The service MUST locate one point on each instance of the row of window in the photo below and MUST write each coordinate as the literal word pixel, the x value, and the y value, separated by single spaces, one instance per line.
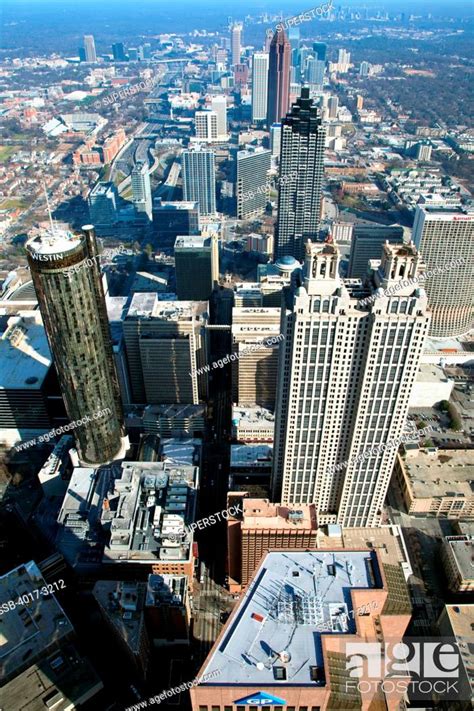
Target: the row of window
pixel 259 708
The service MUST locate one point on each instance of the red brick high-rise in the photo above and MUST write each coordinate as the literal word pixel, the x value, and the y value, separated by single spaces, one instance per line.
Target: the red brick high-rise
pixel 278 78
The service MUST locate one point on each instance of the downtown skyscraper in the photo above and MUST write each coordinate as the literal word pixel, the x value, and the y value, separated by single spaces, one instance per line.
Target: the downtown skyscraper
pixel 72 304
pixel 278 101
pixel 259 86
pixel 199 178
pixel 236 43
pixel 346 373
pixel 89 49
pixel 300 180
pixel 443 234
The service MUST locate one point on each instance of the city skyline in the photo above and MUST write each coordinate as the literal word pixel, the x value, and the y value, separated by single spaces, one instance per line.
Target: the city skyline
pixel 236 356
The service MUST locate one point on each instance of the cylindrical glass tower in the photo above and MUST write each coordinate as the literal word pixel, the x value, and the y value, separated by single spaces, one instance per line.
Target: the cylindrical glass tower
pixel 66 275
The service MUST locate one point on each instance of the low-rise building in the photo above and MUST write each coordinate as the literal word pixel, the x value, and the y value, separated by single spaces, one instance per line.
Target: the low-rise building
pixel 167 609
pixel 291 640
pixel 457 554
pixel 252 424
pixel 436 481
pixel 458 621
pixel 146 517
pixel 122 607
pixel 40 666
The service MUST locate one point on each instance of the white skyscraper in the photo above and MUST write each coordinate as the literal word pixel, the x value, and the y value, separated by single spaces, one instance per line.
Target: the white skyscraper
pixel 141 190
pixel 206 125
pixel 443 234
pixel 259 86
pixel 346 372
pixel 89 48
pixel 199 178
pixel 219 106
pixel 235 42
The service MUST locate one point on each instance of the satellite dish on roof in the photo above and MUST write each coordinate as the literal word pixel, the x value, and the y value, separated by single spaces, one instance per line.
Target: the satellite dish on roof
pixel 260 666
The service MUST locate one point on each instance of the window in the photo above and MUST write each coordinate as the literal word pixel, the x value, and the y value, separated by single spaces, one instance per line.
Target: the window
pixel 216 708
pixel 203 708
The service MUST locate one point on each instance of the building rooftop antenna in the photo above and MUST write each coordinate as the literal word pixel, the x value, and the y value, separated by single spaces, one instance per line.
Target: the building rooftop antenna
pixel 49 209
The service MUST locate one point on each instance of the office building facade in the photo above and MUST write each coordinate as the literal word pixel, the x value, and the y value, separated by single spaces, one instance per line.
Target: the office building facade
pixel 443 234
pixel 206 125
pixel 75 318
pixel 103 203
pixel 346 373
pixel 315 72
pixel 367 242
pixel 197 266
pixel 219 106
pixel 141 190
pixel 278 78
pixel 199 179
pixel 252 184
pixel 259 86
pixel 254 371
pixel 171 219
pixel 89 49
pixel 166 344
pixel 236 43
pixel 300 180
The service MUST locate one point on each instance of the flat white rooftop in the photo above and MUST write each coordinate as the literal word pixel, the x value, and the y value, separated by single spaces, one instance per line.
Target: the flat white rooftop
pixel 293 598
pixel 25 358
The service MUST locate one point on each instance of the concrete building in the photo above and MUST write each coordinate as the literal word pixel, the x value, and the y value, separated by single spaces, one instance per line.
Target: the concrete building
pixel 273 277
pixel 171 219
pixel 199 178
pixel 103 204
pixel 219 106
pixel 260 62
pixel 40 666
pixel 252 424
pixel 171 334
pixel 261 527
pixel 254 371
pixel 367 242
pixel 275 649
pixel 146 515
pixel 263 244
pixel 346 374
pixel 315 72
pixel 247 293
pixel 458 621
pixel 167 609
pixel 89 49
pixel 442 235
pixel 342 231
pixel 252 186
pixel 235 43
pixel 206 125
pixel 301 174
pixel 250 465
pixel 457 554
pixel 431 386
pixel 436 482
pixel 122 606
pixel 141 190
pixel 175 420
pixel 26 377
pixel 197 266
pixel 279 64
pixel 333 106
pixel 275 140
pixel 74 313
